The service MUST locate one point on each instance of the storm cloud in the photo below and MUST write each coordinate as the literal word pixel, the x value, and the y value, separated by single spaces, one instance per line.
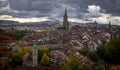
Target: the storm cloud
pixel 54 9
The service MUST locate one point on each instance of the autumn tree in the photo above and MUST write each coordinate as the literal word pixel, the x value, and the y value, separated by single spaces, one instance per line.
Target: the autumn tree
pixel 115 67
pixel 45 59
pixel 23 50
pixel 41 52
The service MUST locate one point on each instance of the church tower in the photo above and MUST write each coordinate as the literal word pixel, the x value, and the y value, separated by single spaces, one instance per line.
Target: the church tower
pixel 35 54
pixel 65 20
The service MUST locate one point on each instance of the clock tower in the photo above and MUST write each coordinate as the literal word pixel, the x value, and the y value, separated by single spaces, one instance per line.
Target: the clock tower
pixel 35 54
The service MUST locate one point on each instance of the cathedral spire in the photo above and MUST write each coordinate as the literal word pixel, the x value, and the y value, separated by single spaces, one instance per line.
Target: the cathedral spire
pixel 65 20
pixel 65 12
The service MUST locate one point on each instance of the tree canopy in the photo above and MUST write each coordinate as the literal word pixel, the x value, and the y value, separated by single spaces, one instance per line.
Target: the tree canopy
pixel 93 56
pixel 110 52
pixel 45 59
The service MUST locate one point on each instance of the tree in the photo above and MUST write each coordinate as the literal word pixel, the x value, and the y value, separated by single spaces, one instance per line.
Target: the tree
pixel 95 22
pixel 115 67
pixel 101 51
pixel 41 52
pixel 72 64
pixel 45 59
pixel 23 51
pixel 16 61
pixel 110 51
pixel 84 52
pixel 93 56
pixel 113 51
pixel 99 66
pixel 86 67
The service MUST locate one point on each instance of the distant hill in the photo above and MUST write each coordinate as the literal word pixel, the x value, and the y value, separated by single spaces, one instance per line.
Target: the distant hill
pixel 43 24
pixel 8 22
pixel 34 24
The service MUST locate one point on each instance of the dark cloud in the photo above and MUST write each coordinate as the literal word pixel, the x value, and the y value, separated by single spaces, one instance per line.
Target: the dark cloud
pixel 20 4
pixel 55 8
pixel 3 3
pixel 43 7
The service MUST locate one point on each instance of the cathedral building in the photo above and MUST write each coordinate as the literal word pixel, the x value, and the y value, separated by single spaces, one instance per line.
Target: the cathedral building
pixel 65 25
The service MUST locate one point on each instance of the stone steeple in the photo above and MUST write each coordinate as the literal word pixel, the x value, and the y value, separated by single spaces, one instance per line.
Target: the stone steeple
pixel 65 20
pixel 35 54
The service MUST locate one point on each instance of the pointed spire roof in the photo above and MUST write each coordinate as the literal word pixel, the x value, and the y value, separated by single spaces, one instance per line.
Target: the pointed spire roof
pixel 35 46
pixel 65 11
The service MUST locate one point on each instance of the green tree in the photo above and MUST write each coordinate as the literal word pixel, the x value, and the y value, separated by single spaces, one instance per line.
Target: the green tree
pixel 85 67
pixel 113 51
pixel 99 68
pixel 45 59
pixel 84 52
pixel 110 51
pixel 95 22
pixel 41 52
pixel 101 51
pixel 16 61
pixel 72 64
pixel 23 51
pixel 93 56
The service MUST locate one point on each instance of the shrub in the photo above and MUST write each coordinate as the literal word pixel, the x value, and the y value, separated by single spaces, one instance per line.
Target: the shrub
pixel 93 56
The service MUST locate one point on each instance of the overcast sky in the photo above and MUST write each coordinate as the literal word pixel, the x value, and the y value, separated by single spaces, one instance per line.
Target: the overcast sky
pixel 78 10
